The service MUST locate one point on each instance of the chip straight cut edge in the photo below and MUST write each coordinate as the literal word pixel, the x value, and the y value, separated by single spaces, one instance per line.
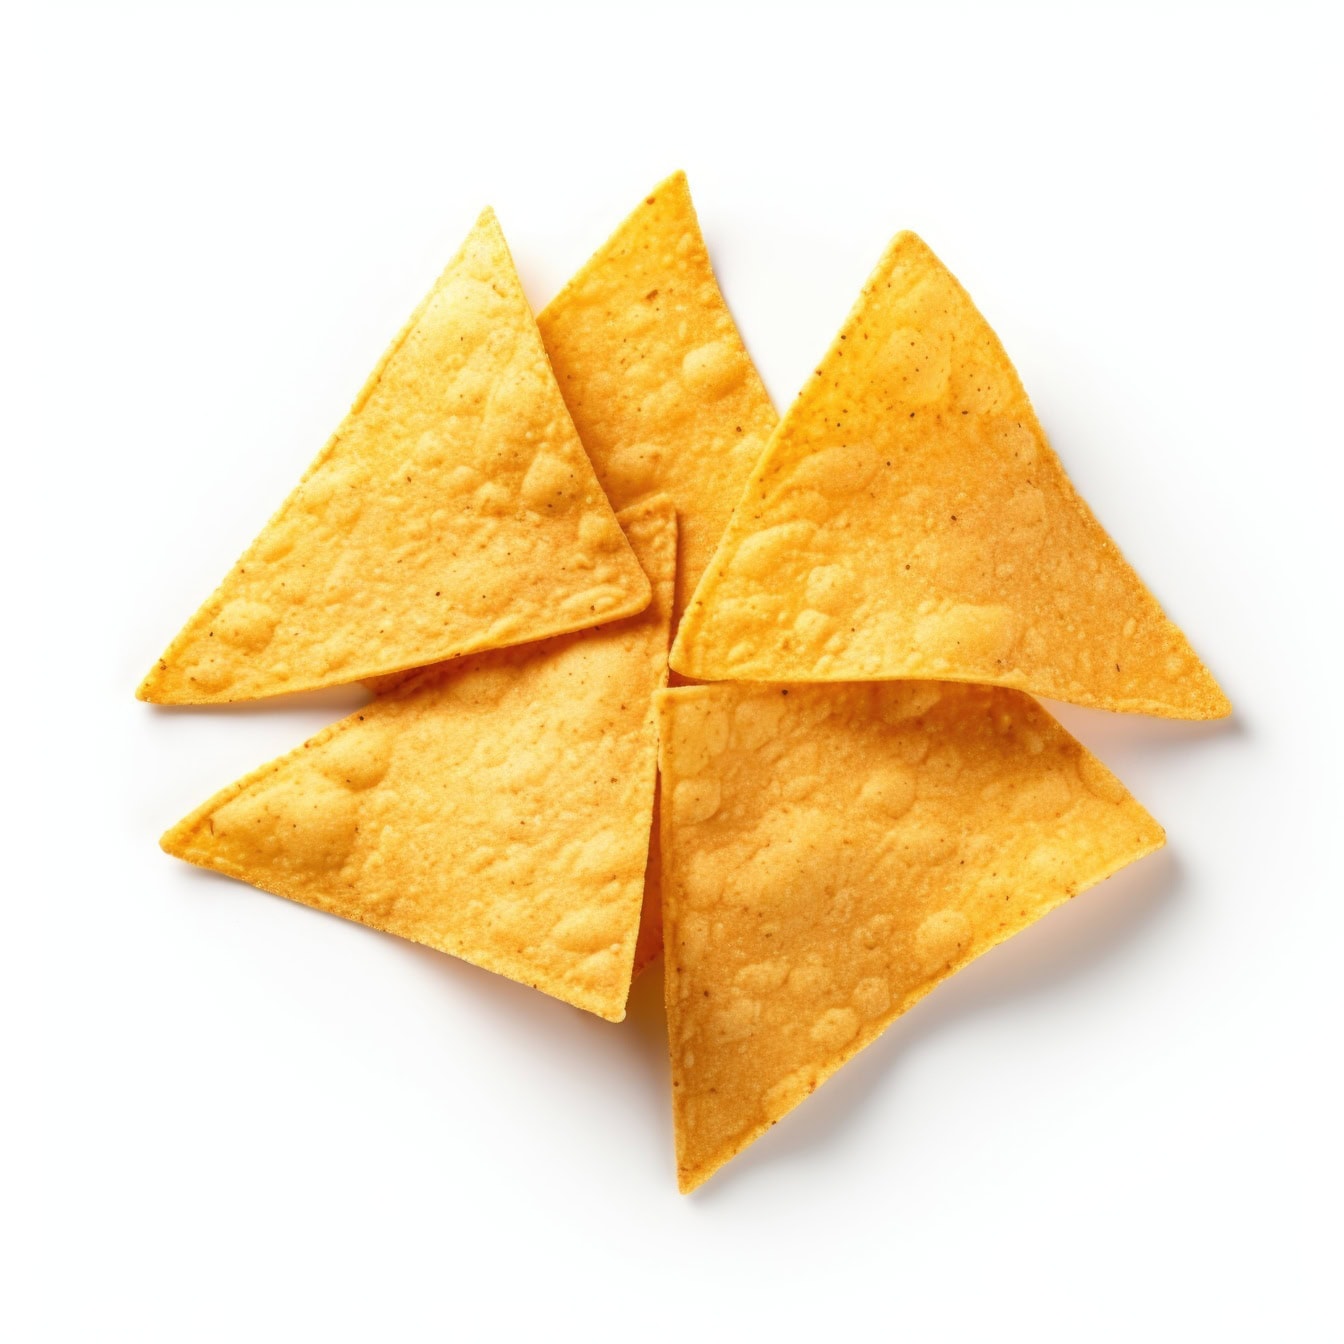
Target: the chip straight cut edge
pixel 453 511
pixel 909 520
pixel 831 853
pixel 496 808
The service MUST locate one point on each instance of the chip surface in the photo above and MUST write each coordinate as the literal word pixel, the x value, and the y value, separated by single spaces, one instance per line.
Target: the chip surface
pixel 649 944
pixel 654 372
pixel 454 510
pixel 496 808
pixel 830 853
pixel 909 520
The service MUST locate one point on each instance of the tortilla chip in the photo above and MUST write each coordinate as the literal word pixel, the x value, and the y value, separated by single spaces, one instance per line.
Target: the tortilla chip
pixel 497 808
pixel 830 853
pixel 654 372
pixel 909 520
pixel 453 511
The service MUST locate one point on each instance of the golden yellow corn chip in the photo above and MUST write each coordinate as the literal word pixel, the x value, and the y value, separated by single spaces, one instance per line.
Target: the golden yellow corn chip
pixel 496 808
pixel 909 520
pixel 654 372
pixel 453 511
pixel 830 853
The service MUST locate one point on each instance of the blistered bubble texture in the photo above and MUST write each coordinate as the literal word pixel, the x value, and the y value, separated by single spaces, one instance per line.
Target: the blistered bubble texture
pixel 831 853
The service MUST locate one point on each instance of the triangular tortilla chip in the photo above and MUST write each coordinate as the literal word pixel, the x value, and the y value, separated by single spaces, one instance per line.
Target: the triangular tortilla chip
pixel 654 372
pixel 909 520
pixel 453 511
pixel 830 853
pixel 496 808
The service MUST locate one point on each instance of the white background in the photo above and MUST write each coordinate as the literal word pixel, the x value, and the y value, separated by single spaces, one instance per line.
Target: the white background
pixel 226 1117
